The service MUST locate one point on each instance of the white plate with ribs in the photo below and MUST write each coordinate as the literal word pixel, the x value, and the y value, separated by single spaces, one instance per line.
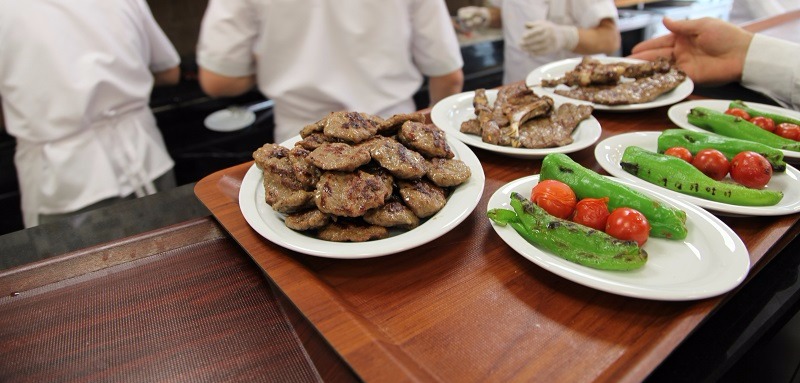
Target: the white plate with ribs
pixel 557 70
pixel 449 113
pixel 269 224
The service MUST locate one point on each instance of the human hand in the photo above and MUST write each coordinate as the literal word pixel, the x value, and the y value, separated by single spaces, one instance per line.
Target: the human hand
pixel 472 17
pixel 543 37
pixel 708 50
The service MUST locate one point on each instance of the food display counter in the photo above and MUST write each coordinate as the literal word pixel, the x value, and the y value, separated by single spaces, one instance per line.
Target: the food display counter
pixel 199 295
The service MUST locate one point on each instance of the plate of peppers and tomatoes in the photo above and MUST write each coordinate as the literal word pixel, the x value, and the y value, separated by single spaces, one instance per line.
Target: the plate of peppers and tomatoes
pixel 610 151
pixel 709 261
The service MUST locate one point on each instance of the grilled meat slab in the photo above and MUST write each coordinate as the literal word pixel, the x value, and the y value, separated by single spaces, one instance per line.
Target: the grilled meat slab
pixel 352 232
pixel 642 90
pixel 555 130
pixel 350 194
pixel 339 156
pixel 427 139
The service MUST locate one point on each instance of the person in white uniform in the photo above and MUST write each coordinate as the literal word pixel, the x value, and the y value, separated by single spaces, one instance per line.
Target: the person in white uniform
pixel 544 31
pixel 314 57
pixel 75 83
pixel 712 51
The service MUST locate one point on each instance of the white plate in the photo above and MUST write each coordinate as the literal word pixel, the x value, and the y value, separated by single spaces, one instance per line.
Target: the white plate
pixel 229 120
pixel 609 152
pixel 449 113
pixel 270 224
pixel 557 69
pixel 710 261
pixel 678 112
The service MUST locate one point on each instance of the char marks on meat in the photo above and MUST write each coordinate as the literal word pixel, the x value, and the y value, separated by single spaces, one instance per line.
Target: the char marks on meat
pixel 350 194
pixel 348 126
pixel 307 220
pixel 346 231
pixel 313 141
pixel 398 159
pixel 641 90
pixel 391 125
pixel 427 139
pixel 422 197
pixel 448 172
pixel 393 214
pixel 339 156
pixel 289 180
pixel 555 130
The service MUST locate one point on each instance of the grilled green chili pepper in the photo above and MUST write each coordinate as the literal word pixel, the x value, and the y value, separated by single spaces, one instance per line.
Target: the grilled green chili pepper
pixel 678 175
pixel 696 141
pixel 569 240
pixel 779 119
pixel 737 127
pixel 665 221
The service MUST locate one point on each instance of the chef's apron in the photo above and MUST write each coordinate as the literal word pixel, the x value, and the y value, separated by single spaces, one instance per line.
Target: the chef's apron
pixel 119 137
pixel 515 13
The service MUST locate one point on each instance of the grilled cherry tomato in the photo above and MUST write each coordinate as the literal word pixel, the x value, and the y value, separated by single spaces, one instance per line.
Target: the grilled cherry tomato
pixel 592 212
pixel 788 130
pixel 680 152
pixel 765 123
pixel 628 224
pixel 751 169
pixel 738 113
pixel 712 163
pixel 555 197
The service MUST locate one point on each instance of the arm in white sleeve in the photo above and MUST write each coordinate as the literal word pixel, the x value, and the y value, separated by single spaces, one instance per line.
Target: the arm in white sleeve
pixel 771 68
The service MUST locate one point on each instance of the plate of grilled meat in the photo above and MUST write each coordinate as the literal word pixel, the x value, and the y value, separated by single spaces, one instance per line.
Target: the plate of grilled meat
pixel 613 83
pixel 517 122
pixel 356 186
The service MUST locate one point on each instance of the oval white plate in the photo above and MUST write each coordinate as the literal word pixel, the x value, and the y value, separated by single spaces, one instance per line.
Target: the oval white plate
pixel 609 152
pixel 449 113
pixel 677 114
pixel 557 69
pixel 710 261
pixel 270 225
pixel 229 120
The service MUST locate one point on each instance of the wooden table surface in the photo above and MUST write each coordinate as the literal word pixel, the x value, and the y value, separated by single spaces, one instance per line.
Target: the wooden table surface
pixel 466 307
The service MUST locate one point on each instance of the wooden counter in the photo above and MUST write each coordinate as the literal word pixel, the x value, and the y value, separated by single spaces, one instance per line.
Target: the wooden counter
pixel 466 307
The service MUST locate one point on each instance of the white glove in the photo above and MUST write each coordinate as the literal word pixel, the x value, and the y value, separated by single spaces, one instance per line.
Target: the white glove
pixel 543 37
pixel 472 17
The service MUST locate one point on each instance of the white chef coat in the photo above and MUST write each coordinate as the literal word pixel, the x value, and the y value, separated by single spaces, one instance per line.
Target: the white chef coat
pixel 313 57
pixel 771 68
pixel 515 13
pixel 75 82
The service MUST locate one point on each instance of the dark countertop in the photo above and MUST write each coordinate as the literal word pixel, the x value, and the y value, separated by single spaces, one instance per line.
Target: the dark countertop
pixel 95 227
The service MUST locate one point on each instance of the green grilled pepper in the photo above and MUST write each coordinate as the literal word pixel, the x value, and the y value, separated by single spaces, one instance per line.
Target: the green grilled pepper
pixel 665 221
pixel 569 240
pixel 696 141
pixel 736 127
pixel 779 119
pixel 678 175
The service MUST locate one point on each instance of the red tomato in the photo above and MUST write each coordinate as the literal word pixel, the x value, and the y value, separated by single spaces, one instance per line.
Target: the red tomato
pixel 629 225
pixel 765 123
pixel 712 163
pixel 592 212
pixel 738 113
pixel 555 197
pixel 787 130
pixel 751 169
pixel 680 152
